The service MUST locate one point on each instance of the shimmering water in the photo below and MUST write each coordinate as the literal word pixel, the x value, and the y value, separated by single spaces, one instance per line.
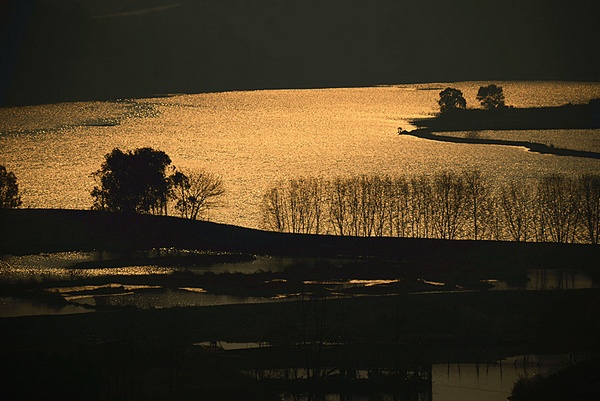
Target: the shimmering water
pixel 252 139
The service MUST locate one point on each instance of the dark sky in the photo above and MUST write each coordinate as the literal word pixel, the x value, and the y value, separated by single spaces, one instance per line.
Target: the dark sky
pixel 61 50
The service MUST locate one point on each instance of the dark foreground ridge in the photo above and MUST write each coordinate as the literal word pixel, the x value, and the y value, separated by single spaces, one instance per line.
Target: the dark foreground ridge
pixel 149 353
pixel 156 354
pixel 28 231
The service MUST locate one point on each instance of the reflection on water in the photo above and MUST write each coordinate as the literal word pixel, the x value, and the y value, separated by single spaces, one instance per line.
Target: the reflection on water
pixel 165 298
pixel 548 279
pixel 150 286
pixel 15 307
pixel 438 382
pixel 252 139
pixel 60 266
pixel 490 382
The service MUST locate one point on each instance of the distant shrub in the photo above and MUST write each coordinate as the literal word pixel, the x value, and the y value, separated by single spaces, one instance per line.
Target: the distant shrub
pixel 9 189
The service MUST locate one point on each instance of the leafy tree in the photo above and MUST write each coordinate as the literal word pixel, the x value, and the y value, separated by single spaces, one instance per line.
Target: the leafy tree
pixel 491 97
pixel 9 189
pixel 194 193
pixel 133 182
pixel 451 99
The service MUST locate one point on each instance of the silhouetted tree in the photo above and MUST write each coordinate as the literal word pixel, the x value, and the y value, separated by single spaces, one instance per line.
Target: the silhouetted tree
pixel 9 189
pixel 295 206
pixel 451 99
pixel 589 194
pixel 195 192
pixel 515 200
pixel 558 207
pixel 491 97
pixel 133 182
pixel 478 202
pixel 447 204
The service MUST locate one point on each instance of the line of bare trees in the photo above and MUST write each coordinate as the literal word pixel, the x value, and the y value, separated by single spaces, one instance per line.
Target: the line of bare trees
pixel 447 205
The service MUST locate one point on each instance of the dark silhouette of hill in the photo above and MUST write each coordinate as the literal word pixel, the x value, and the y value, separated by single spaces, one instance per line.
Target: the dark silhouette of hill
pixel 27 231
pixel 66 50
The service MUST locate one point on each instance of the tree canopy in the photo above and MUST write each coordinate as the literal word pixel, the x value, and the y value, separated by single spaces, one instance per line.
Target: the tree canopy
pixel 133 182
pixel 451 99
pixel 491 97
pixel 9 189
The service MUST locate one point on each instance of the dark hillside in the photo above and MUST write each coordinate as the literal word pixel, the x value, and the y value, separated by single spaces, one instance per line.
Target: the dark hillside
pixel 25 231
pixel 66 50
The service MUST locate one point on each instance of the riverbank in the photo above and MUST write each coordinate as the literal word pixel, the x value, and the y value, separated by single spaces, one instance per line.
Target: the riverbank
pixel 30 231
pixel 461 263
pixel 473 140
pixel 569 116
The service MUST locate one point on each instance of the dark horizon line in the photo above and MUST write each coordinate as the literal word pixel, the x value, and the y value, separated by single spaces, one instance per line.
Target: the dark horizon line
pixel 244 88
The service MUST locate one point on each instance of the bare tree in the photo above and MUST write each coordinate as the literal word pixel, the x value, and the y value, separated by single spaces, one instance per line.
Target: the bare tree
pixel 515 202
pixel 295 206
pixel 337 190
pixel 195 193
pixel 400 213
pixel 273 210
pixel 420 206
pixel 478 207
pixel 558 205
pixel 589 189
pixel 448 202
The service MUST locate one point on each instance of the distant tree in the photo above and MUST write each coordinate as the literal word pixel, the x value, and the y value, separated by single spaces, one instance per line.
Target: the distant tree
pixel 195 192
pixel 478 194
pixel 133 182
pixel 589 192
pixel 559 206
pixel 491 97
pixel 9 189
pixel 451 99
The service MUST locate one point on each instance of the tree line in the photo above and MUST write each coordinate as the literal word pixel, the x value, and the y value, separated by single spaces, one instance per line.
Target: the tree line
pixel 445 205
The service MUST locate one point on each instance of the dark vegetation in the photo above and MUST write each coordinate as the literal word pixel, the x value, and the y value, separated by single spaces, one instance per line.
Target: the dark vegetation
pixel 445 205
pixel 9 189
pixel 496 115
pixel 569 116
pixel 138 181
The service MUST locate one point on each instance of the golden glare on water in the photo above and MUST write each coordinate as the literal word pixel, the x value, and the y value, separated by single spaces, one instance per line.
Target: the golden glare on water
pixel 253 139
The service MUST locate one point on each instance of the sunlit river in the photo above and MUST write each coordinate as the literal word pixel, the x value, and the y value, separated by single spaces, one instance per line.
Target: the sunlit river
pixel 252 139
